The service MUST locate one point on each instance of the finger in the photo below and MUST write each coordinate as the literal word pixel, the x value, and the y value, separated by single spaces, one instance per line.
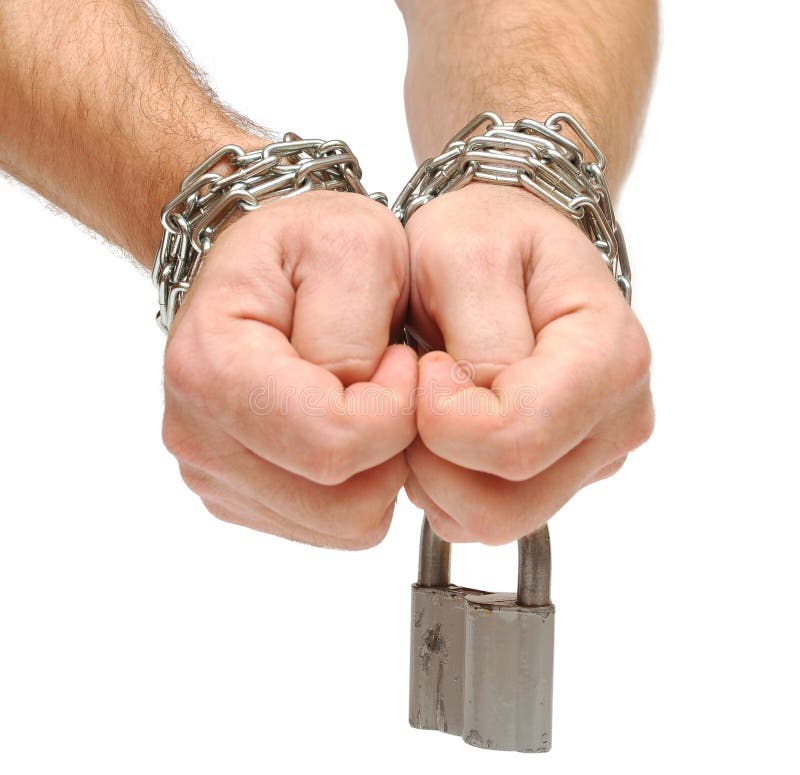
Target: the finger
pixel 234 507
pixel 585 364
pixel 229 352
pixel 588 350
pixel 248 378
pixel 493 510
pixel 469 285
pixel 607 471
pixel 213 463
pixel 350 511
pixel 351 284
pixel 247 513
pixel 442 523
pixel 534 413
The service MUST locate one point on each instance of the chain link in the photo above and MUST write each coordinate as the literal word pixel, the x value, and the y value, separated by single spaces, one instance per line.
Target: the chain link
pixel 539 158
pixel 535 156
pixel 207 200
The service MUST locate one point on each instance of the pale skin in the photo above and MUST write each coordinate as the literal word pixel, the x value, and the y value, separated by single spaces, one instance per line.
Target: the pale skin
pixel 98 110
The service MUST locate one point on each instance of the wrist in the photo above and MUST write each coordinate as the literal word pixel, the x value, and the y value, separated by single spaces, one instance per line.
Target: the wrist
pixel 540 158
pixel 206 201
pixel 140 227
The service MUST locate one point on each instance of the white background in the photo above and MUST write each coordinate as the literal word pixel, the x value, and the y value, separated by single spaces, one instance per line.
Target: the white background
pixel 138 634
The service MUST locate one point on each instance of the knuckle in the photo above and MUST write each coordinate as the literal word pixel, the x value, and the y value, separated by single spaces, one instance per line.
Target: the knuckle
pixel 222 512
pixel 195 480
pixel 513 451
pixel 642 426
pixel 332 456
pixel 636 355
pixel 517 462
pixel 495 521
pixel 612 468
pixel 182 374
pixel 366 525
pixel 438 520
pixel 361 510
pixel 489 530
pixel 447 528
pixel 189 476
pixel 480 522
pixel 518 452
pixel 178 442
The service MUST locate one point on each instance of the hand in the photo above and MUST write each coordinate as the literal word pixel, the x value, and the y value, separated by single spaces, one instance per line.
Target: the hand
pixel 544 385
pixel 286 409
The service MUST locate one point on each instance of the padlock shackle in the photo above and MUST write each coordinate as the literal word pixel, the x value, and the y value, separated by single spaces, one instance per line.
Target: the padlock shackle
pixel 533 575
pixel 434 558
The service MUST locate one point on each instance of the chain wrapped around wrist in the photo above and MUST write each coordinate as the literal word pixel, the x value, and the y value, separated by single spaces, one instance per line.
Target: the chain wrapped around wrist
pixel 208 199
pixel 539 158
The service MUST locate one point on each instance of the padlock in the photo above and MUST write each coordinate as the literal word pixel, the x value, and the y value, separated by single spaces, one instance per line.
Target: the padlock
pixel 482 663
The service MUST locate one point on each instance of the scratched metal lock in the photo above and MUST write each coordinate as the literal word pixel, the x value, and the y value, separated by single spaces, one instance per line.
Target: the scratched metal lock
pixel 482 663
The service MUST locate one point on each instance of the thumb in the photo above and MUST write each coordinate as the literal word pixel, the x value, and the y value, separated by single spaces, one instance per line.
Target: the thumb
pixel 469 286
pixel 351 287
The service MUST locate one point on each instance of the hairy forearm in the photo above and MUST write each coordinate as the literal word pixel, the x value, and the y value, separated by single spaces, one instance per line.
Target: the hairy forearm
pixel 102 114
pixel 530 58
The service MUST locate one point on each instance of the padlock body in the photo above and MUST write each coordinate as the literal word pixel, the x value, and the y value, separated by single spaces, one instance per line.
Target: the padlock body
pixel 508 673
pixel 436 696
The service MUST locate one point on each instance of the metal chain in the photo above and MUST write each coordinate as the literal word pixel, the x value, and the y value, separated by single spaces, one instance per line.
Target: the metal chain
pixel 207 200
pixel 537 157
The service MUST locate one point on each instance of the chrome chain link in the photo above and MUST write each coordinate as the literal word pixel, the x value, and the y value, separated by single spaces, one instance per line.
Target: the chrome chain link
pixel 539 158
pixel 535 156
pixel 207 200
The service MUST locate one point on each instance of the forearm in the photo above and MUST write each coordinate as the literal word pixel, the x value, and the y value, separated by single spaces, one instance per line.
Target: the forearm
pixel 101 114
pixel 530 58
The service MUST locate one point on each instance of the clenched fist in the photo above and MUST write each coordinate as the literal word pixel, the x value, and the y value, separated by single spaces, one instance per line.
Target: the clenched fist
pixel 285 405
pixel 541 384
